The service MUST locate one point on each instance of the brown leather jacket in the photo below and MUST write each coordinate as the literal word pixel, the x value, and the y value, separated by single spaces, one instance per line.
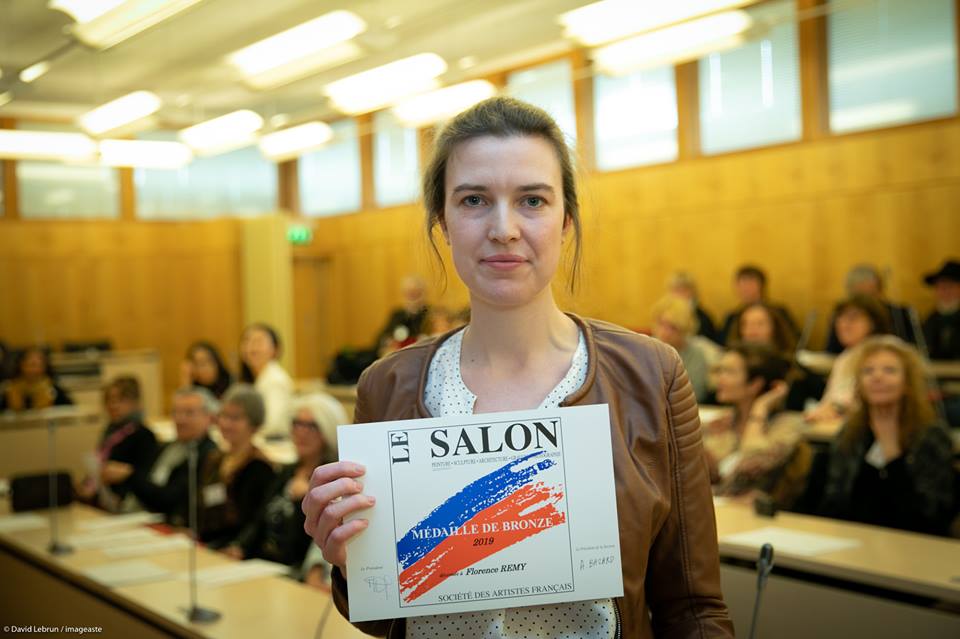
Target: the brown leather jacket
pixel 668 533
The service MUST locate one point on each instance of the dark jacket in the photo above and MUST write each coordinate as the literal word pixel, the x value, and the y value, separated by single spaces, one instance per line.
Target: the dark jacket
pixel 912 492
pixel 129 441
pixel 942 333
pixel 900 325
pixel 233 522
pixel 279 535
pixel 172 497
pixel 668 534
pixel 706 327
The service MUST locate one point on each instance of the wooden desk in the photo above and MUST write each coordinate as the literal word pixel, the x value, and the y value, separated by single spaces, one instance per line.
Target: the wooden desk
pixel 879 589
pixel 85 371
pixel 42 589
pixel 23 440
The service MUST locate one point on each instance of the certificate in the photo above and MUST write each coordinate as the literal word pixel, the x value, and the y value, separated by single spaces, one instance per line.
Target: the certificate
pixel 477 512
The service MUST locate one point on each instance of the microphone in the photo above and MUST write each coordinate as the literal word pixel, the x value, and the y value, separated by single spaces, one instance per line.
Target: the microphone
pixel 764 566
pixel 195 613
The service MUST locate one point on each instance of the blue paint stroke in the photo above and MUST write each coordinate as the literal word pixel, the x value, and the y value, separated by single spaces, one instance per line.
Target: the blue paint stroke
pixel 463 506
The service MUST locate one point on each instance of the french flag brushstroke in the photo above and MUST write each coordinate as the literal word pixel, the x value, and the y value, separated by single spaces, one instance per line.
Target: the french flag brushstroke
pixel 510 493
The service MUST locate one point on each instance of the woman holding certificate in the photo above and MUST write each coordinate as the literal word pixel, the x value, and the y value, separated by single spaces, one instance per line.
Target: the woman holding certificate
pixel 502 192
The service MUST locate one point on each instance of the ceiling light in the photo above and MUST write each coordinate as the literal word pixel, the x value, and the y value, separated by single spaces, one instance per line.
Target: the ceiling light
pixel 674 45
pixel 228 132
pixel 385 85
pixel 293 46
pixel 122 111
pixel 146 154
pixel 610 20
pixel 435 106
pixel 34 71
pixel 5 98
pixel 43 145
pixel 292 142
pixel 105 23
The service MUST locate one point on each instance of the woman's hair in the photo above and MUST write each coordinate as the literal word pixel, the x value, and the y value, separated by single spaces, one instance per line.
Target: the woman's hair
pixel 250 402
pixel 224 378
pixel 784 339
pixel 916 412
pixel 27 352
pixel 500 117
pixel 127 386
pixel 246 375
pixel 762 362
pixel 677 311
pixel 328 413
pixel 871 308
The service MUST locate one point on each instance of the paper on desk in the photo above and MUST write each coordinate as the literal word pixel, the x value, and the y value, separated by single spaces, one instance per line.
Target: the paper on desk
pixel 236 572
pixel 791 542
pixel 112 538
pixel 152 547
pixel 23 521
pixel 127 573
pixel 119 522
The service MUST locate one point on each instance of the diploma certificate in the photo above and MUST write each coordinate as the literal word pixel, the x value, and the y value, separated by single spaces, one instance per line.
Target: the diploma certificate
pixel 479 512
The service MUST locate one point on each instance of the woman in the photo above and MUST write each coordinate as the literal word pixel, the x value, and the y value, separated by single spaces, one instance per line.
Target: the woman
pixel 757 447
pixel 126 440
pixel 279 532
pixel 34 386
pixel 682 285
pixel 891 463
pixel 675 324
pixel 760 323
pixel 235 483
pixel 259 350
pixel 855 320
pixel 502 191
pixel 204 367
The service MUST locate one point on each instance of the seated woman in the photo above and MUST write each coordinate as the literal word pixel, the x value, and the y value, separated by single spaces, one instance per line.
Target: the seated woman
pixel 891 464
pixel 761 323
pixel 279 534
pixel 204 367
pixel 855 320
pixel 259 350
pixel 235 484
pixel 675 324
pixel 757 447
pixel 125 440
pixel 33 386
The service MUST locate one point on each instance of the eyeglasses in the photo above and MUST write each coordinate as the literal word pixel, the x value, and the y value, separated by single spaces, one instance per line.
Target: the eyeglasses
pixel 306 423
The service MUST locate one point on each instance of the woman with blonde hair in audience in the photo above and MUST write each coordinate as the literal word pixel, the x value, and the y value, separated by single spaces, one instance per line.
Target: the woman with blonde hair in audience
pixel 855 320
pixel 684 286
pixel 235 483
pixel 260 349
pixel 674 324
pixel 891 463
pixel 756 447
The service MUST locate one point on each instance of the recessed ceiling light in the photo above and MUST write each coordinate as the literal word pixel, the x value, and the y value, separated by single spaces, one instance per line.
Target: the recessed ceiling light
pixel 387 84
pixel 120 112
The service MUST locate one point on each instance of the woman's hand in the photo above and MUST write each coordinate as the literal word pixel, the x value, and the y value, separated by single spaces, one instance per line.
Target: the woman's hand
pixel 334 493
pixel 115 472
pixel 233 551
pixel 763 405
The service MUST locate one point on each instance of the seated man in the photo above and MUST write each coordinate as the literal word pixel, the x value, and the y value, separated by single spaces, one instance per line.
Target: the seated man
pixel 164 488
pixel 942 326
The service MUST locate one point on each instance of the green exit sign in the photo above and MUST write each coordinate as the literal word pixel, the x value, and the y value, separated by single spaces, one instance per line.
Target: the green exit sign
pixel 299 235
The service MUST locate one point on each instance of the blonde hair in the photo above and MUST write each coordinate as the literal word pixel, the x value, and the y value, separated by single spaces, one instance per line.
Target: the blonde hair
pixel 328 413
pixel 677 311
pixel 916 412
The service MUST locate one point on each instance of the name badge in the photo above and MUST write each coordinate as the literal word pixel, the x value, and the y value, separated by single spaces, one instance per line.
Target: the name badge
pixel 214 495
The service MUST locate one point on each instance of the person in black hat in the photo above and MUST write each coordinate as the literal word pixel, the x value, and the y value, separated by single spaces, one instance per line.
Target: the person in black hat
pixel 942 327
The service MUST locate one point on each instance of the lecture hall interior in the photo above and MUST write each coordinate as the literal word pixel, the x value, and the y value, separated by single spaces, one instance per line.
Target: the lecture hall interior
pixel 219 243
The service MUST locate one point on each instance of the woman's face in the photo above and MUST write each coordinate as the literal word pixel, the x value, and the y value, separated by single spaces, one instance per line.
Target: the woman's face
pixel 756 326
pixel 306 435
pixel 668 333
pixel 883 379
pixel 33 365
pixel 256 348
pixel 234 425
pixel 118 406
pixel 504 217
pixel 732 386
pixel 853 326
pixel 204 366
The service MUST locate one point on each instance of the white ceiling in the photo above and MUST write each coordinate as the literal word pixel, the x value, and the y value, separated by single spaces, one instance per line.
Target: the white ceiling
pixel 183 59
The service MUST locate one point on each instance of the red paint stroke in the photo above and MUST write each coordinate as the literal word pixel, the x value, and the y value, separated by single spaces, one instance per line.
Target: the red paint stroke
pixel 457 552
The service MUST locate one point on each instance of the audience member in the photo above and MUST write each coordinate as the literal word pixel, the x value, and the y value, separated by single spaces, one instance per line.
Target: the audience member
pixel 891 463
pixel 259 350
pixel 761 323
pixel 942 327
pixel 125 439
pixel 165 488
pixel 750 285
pixel 855 320
pixel 865 280
pixel 674 324
pixel 33 386
pixel 757 447
pixel 683 285
pixel 204 367
pixel 405 324
pixel 236 482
